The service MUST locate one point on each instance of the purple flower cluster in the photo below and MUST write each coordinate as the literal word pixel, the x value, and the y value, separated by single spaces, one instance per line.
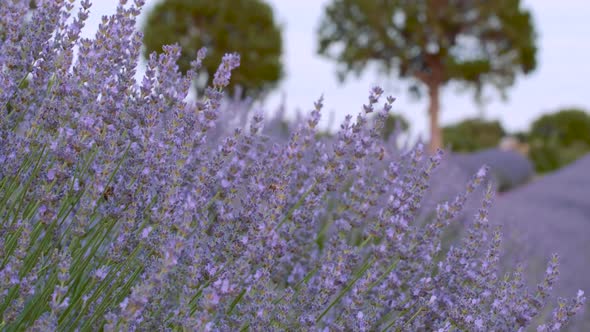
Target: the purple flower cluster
pixel 124 206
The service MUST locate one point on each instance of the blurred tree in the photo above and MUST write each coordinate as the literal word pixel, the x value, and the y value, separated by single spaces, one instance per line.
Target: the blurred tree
pixel 473 135
pixel 521 136
pixel 244 26
pixel 394 122
pixel 566 126
pixel 431 42
pixel 558 139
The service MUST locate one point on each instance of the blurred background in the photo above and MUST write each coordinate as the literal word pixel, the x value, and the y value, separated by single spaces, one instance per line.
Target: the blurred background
pixel 503 83
pixel 541 109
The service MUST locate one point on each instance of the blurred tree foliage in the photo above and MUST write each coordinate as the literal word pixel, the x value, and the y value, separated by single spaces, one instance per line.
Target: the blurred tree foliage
pixel 558 139
pixel 431 42
pixel 473 135
pixel 244 26
pixel 395 122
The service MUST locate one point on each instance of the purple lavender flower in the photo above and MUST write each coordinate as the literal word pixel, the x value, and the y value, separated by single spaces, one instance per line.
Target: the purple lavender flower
pixel 229 62
pixel 130 207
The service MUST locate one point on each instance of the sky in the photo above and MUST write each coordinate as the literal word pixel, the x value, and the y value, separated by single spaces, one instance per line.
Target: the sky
pixel 560 80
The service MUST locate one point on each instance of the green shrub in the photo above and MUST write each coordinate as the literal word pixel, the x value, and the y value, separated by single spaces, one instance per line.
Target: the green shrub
pixel 473 135
pixel 558 139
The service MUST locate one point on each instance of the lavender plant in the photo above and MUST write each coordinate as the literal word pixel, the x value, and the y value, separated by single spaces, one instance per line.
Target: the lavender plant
pixel 123 206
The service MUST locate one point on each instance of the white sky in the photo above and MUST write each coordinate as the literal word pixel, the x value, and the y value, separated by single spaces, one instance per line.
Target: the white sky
pixel 561 79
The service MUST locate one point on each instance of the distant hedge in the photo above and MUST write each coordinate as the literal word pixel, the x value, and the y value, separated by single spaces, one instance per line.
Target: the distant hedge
pixel 559 138
pixel 473 135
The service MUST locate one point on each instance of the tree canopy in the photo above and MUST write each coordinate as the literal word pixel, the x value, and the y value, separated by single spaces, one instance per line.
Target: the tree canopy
pixel 431 42
pixel 559 138
pixel 473 135
pixel 395 122
pixel 244 26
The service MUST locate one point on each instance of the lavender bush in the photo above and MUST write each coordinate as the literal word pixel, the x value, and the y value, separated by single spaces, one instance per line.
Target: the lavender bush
pixel 126 207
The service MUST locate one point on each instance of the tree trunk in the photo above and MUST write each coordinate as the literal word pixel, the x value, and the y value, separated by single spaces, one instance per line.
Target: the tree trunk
pixel 433 112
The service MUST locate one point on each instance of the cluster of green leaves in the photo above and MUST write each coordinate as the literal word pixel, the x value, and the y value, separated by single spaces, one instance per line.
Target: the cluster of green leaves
pixel 414 36
pixel 244 26
pixel 393 123
pixel 473 135
pixel 475 43
pixel 431 43
pixel 558 139
pixel 554 140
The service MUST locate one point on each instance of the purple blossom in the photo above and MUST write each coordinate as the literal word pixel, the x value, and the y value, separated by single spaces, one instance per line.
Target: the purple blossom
pixel 130 207
pixel 223 74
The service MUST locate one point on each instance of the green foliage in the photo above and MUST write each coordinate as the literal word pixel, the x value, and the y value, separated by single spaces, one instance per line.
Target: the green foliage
pixel 244 26
pixel 394 122
pixel 566 127
pixel 521 136
pixel 473 135
pixel 558 139
pixel 475 43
